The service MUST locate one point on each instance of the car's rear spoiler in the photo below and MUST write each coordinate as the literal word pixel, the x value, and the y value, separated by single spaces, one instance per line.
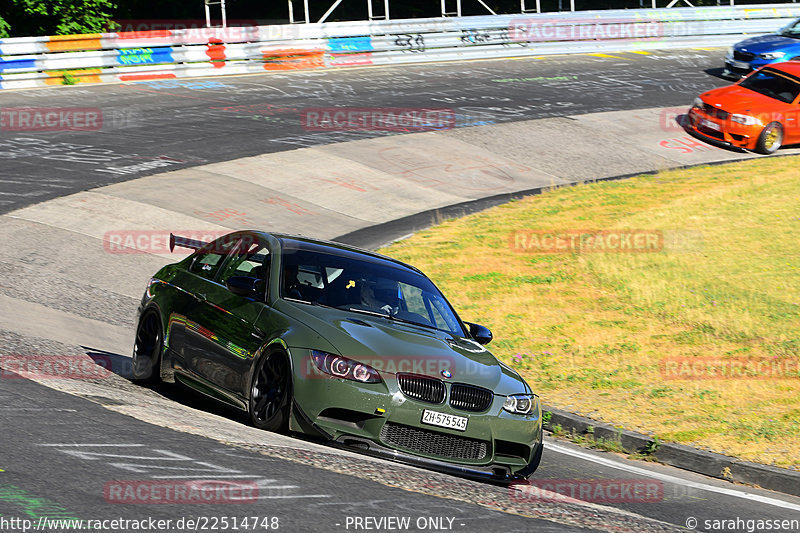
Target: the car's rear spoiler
pixel 183 242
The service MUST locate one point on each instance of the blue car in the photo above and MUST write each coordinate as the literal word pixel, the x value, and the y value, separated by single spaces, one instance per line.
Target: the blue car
pixel 750 54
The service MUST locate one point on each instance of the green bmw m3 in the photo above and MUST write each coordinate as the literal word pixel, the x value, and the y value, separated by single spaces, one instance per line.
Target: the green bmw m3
pixel 339 343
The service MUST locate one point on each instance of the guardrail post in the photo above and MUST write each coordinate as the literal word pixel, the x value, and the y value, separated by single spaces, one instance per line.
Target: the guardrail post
pixel 446 13
pixel 305 13
pixel 524 9
pixel 538 9
pixel 221 4
pixel 371 13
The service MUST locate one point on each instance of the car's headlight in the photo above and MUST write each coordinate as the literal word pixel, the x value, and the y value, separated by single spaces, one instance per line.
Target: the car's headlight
pixel 773 55
pixel 747 120
pixel 342 367
pixel 698 102
pixel 521 404
pixel 731 50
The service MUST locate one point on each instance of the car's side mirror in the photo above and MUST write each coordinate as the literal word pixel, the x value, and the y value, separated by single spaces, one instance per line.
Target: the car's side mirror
pixel 481 334
pixel 245 286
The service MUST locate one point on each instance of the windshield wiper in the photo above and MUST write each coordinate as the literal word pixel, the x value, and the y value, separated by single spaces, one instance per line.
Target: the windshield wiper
pixel 368 312
pixel 307 302
pixel 391 317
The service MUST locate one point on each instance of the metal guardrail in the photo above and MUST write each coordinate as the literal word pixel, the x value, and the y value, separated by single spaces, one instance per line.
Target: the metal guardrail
pixel 151 55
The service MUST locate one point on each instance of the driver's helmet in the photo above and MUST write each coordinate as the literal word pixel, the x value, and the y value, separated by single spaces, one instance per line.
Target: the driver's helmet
pixel 380 294
pixel 386 292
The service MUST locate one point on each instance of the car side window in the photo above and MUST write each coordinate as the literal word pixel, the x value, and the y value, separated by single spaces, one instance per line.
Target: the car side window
pixel 250 258
pixel 209 258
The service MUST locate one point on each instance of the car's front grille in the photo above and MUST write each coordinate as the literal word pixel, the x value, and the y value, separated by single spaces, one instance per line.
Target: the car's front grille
pixel 710 132
pixel 715 112
pixel 470 398
pixel 433 443
pixel 421 388
pixel 743 56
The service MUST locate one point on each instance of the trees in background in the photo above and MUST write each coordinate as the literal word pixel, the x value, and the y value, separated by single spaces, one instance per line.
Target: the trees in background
pixel 55 17
pixel 4 27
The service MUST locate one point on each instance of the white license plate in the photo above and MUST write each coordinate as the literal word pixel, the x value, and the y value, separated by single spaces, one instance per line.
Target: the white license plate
pixel 738 64
pixel 444 420
pixel 711 125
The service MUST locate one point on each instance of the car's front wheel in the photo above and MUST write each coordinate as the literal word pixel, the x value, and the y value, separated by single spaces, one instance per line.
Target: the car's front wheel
pixel 771 139
pixel 270 392
pixel 147 347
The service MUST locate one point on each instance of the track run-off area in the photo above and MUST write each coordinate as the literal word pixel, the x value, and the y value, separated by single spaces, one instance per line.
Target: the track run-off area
pixel 218 154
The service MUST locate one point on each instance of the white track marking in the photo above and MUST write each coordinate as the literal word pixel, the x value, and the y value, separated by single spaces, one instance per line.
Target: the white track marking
pixel 671 479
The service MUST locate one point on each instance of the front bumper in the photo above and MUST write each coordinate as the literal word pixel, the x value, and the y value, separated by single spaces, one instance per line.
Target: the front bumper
pixel 497 472
pixel 380 420
pixel 736 69
pixel 725 133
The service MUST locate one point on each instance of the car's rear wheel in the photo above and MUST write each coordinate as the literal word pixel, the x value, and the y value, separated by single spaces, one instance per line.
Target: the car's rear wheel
pixel 270 392
pixel 147 348
pixel 771 138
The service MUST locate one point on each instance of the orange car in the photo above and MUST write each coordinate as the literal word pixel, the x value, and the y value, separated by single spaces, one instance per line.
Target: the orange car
pixel 759 113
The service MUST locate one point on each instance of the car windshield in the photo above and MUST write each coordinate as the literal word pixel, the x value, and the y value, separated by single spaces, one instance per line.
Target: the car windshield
pixel 366 287
pixel 773 84
pixel 792 30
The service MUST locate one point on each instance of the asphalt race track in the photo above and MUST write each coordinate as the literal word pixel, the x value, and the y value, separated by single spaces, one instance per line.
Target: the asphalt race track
pixel 68 443
pixel 184 123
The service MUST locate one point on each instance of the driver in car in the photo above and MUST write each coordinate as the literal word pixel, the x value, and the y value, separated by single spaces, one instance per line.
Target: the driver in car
pixel 381 296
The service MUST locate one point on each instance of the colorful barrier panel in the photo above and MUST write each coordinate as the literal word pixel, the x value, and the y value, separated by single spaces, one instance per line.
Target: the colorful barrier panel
pixel 145 55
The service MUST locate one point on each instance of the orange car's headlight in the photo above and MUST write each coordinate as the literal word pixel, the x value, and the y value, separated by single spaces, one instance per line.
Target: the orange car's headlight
pixel 745 120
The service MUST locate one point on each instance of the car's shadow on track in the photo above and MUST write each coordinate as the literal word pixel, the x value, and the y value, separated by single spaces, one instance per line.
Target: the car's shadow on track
pixel 113 362
pixel 176 392
pixel 121 366
pixel 717 73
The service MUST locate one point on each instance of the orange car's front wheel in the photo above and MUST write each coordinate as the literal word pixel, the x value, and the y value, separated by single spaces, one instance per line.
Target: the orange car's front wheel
pixel 770 139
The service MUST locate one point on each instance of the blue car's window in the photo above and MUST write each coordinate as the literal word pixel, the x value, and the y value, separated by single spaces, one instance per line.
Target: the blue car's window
pixel 365 286
pixel 773 84
pixel 792 30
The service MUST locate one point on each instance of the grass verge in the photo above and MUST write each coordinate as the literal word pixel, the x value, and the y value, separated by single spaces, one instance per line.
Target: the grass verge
pixel 696 341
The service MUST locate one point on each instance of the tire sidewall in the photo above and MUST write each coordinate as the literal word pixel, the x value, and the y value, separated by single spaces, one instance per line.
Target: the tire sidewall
pixel 279 421
pixel 761 145
pixel 152 374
